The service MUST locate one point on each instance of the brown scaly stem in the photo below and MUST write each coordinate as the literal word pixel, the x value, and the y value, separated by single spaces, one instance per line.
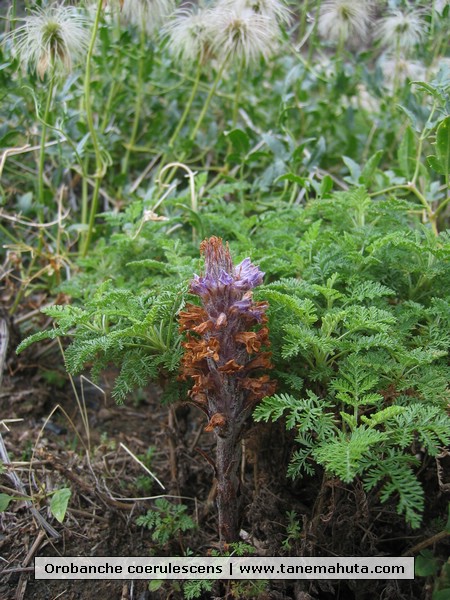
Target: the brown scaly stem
pixel 228 458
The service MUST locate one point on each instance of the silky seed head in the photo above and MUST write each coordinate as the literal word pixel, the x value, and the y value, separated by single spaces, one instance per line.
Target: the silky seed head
pixel 189 33
pixel 52 37
pixel 147 14
pixel 439 5
pixel 340 19
pixel 401 29
pixel 273 9
pixel 397 70
pixel 243 35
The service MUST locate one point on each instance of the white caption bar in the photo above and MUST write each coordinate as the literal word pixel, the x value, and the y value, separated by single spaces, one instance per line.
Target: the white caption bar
pixel 113 567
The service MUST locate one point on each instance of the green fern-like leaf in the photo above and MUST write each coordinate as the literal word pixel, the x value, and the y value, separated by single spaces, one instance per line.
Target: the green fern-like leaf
pixel 396 478
pixel 429 423
pixel 196 587
pixel 354 384
pixel 137 332
pixel 303 413
pixel 342 456
pixel 138 368
pixel 368 290
pixel 49 334
pixel 272 408
pixel 383 416
pixel 302 310
pixel 302 462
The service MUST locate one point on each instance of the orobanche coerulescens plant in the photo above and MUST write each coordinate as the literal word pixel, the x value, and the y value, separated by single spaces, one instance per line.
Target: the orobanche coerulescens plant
pixel 223 355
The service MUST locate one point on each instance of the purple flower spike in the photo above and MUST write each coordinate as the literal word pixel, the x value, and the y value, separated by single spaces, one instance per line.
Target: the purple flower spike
pixel 225 278
pixel 220 274
pixel 199 286
pixel 226 340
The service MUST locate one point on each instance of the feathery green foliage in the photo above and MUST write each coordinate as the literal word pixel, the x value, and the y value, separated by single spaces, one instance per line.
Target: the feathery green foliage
pixel 166 521
pixel 361 343
pixel 359 329
pixel 136 332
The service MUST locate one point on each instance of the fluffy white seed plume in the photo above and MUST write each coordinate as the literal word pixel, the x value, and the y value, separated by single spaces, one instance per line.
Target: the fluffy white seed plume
pixel 397 70
pixel 363 100
pixel 401 29
pixel 439 5
pixel 272 9
pixel 147 14
pixel 440 68
pixel 341 19
pixel 189 33
pixel 51 37
pixel 242 34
